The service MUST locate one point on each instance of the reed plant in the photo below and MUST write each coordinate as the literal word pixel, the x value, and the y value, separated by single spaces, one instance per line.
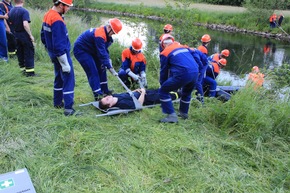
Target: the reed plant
pixel 238 146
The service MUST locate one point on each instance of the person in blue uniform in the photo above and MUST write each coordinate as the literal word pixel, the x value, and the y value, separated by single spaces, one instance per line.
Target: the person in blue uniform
pixel 133 67
pixel 3 40
pixel 178 70
pixel 125 101
pixel 54 36
pixel 91 50
pixel 19 20
pixel 6 5
pixel 212 72
pixel 205 40
pixel 201 59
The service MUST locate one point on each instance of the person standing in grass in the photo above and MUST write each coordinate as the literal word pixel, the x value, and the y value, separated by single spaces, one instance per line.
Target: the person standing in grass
pixel 91 50
pixel 212 72
pixel 133 64
pixel 167 29
pixel 217 56
pixel 54 36
pixel 201 59
pixel 256 77
pixel 19 19
pixel 205 40
pixel 7 6
pixel 3 40
pixel 178 70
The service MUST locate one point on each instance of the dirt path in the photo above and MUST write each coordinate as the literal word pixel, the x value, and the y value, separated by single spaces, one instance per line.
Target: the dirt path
pixel 199 6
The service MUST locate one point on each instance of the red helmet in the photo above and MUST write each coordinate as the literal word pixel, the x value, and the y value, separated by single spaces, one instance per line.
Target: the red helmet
pixel 168 27
pixel 116 25
pixel 205 38
pixel 66 2
pixel 137 44
pixel 255 69
pixel 225 53
pixel 223 62
pixel 166 39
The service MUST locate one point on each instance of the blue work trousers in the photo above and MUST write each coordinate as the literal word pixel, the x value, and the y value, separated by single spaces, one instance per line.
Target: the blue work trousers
pixel 64 84
pixel 25 50
pixel 186 82
pixel 3 41
pixel 96 72
pixel 212 85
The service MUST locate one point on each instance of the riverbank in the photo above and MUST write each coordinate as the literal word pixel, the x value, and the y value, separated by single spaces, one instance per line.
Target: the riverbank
pixel 281 35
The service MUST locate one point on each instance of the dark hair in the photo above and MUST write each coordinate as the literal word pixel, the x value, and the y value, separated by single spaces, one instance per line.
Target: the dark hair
pixel 102 105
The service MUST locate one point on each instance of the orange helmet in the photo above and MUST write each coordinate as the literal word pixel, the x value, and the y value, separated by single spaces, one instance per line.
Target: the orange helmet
pixel 137 44
pixel 225 53
pixel 66 2
pixel 223 62
pixel 205 38
pixel 116 25
pixel 166 39
pixel 255 69
pixel 168 27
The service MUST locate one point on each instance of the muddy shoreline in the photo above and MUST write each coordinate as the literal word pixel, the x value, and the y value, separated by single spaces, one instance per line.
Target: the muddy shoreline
pixel 218 27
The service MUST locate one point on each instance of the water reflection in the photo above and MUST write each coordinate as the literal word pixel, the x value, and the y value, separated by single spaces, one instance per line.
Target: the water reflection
pixel 246 50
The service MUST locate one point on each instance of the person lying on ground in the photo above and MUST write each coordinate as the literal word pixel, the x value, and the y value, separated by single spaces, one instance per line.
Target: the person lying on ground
pixel 125 101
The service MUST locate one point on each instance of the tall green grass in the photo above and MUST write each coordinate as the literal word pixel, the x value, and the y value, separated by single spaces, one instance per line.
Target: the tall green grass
pixel 238 146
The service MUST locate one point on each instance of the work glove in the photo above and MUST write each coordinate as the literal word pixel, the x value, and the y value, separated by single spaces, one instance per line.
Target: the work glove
pixel 143 79
pixel 114 73
pixel 64 63
pixel 134 76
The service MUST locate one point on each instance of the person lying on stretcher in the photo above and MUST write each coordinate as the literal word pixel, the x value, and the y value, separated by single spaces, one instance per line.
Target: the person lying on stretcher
pixel 125 101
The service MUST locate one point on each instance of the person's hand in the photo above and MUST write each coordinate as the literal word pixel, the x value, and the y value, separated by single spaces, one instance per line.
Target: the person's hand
pixel 134 76
pixel 64 63
pixel 114 73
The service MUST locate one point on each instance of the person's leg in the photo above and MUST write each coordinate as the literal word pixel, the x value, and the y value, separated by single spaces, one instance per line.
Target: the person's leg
pixel 186 94
pixel 28 51
pixel 3 42
pixel 124 77
pixel 58 85
pixel 20 52
pixel 88 64
pixel 68 88
pixel 212 86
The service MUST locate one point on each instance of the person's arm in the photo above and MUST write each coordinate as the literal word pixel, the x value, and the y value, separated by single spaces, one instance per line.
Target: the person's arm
pixel 7 26
pixel 141 98
pixel 27 29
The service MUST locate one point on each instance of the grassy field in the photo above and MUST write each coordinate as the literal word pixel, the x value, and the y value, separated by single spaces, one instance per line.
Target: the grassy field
pixel 238 146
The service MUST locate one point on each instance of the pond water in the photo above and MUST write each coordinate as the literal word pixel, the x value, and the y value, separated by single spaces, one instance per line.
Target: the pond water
pixel 246 50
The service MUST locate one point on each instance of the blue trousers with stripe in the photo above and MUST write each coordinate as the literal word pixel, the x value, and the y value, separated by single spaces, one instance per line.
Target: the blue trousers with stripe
pixel 64 84
pixel 186 82
pixel 96 73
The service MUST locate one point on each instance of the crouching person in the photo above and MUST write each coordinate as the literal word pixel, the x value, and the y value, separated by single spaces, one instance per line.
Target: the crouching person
pixel 133 67
pixel 176 60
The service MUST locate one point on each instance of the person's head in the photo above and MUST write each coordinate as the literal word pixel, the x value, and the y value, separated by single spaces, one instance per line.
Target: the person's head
pixel 222 62
pixel 167 28
pixel 205 39
pixel 114 26
pixel 167 40
pixel 17 2
pixel 107 102
pixel 7 1
pixel 225 53
pixel 136 45
pixel 63 5
pixel 255 69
